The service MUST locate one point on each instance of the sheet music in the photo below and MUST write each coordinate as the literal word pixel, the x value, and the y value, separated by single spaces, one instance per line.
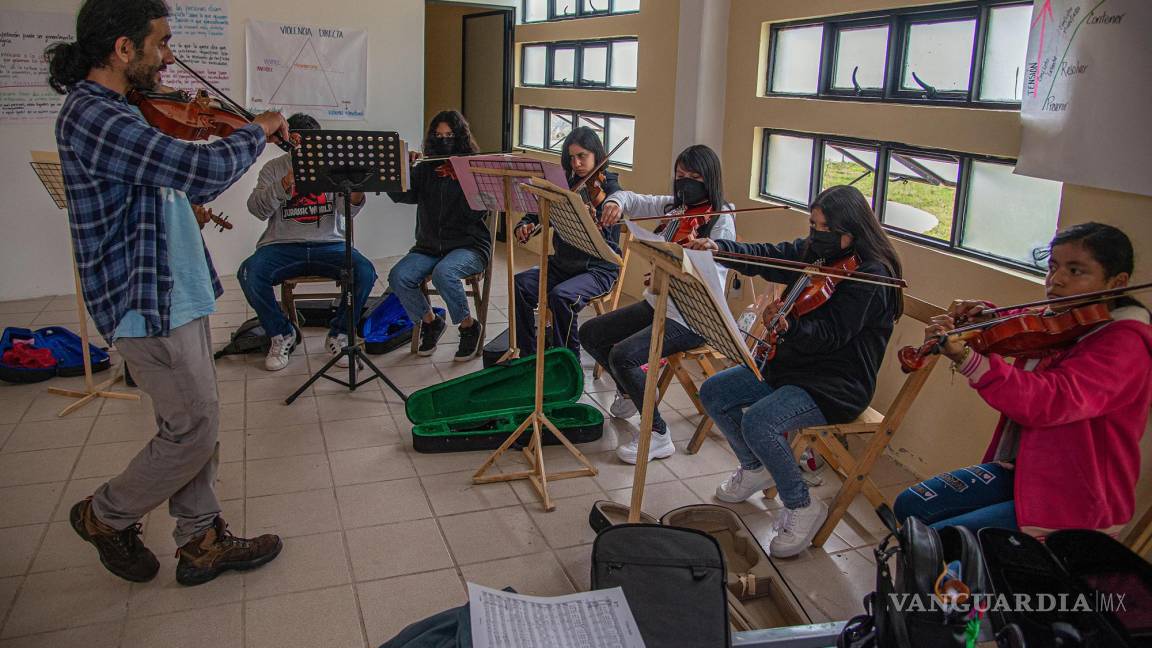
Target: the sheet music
pixel 596 619
pixel 487 191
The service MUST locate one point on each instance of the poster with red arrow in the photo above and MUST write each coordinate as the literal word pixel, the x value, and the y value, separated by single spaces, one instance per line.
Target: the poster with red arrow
pixel 1087 92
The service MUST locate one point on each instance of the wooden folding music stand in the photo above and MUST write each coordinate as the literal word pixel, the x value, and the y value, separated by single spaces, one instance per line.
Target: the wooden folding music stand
pixel 565 211
pixel 47 168
pixel 495 182
pixel 689 278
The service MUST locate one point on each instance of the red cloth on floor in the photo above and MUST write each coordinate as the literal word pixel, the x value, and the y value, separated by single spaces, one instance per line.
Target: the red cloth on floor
pixel 25 354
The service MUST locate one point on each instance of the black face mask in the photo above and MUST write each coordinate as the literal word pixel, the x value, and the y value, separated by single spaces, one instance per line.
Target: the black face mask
pixel 825 245
pixel 690 191
pixel 441 146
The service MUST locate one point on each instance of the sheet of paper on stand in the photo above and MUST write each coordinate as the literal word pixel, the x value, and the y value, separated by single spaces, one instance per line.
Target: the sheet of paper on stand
pixel 486 191
pixel 585 620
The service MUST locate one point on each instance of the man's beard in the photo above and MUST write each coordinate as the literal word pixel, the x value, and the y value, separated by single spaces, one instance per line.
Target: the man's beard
pixel 141 75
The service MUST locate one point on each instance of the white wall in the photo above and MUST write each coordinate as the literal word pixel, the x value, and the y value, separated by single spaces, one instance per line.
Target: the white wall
pixel 701 75
pixel 34 241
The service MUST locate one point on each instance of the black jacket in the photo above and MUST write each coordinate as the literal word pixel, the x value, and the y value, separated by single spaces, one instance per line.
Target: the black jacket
pixel 569 261
pixel 444 221
pixel 835 351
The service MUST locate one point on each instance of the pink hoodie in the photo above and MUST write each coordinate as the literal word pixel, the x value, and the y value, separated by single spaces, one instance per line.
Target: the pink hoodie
pixel 1080 415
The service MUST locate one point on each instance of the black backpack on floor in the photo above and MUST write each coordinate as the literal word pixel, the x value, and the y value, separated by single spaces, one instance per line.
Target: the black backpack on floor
pixel 674 580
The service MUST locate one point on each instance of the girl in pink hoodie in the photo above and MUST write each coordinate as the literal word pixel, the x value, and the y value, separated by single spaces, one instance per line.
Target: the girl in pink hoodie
pixel 1066 452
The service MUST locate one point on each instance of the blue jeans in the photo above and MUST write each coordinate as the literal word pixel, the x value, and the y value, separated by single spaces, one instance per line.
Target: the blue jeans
pixel 620 340
pixel 974 497
pixel 756 418
pixel 407 276
pixel 271 264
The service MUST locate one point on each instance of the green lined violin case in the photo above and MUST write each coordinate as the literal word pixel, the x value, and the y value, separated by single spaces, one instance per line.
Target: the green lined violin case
pixel 478 411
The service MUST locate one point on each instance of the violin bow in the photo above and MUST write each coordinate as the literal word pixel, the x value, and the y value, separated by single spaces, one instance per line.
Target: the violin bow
pixel 585 179
pixel 808 268
pixel 637 219
pixel 1073 300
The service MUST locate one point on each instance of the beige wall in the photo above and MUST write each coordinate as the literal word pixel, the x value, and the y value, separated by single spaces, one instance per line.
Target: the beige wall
pixel 443 70
pixel 949 426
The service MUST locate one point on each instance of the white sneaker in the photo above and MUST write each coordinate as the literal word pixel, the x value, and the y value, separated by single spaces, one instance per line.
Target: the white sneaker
pixel 660 448
pixel 622 406
pixel 334 344
pixel 279 351
pixel 743 484
pixel 796 528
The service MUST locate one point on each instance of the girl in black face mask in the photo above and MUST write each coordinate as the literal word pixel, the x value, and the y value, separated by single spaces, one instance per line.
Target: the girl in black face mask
pixel 452 240
pixel 824 370
pixel 619 340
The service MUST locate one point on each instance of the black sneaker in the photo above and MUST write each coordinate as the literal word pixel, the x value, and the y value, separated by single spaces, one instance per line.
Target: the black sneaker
pixel 430 333
pixel 121 552
pixel 469 342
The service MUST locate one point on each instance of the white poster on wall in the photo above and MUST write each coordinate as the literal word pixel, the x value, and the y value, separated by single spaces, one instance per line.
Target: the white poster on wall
pixel 319 70
pixel 25 95
pixel 1087 91
pixel 200 40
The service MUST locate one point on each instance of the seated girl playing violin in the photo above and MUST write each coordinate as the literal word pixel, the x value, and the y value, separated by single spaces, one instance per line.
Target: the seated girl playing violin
pixel 1066 451
pixel 824 366
pixel 619 340
pixel 452 240
pixel 574 278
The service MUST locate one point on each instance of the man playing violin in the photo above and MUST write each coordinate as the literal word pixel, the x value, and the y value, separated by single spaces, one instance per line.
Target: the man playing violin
pixel 1066 452
pixel 825 364
pixel 149 283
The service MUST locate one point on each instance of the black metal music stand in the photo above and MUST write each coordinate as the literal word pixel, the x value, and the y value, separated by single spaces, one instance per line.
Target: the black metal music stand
pixel 342 162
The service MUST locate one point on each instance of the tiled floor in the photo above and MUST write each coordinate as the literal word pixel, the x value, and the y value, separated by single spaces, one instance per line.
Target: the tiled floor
pixel 376 535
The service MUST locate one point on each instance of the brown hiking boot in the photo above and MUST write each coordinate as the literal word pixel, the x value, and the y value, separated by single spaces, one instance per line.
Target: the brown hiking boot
pixel 216 550
pixel 121 552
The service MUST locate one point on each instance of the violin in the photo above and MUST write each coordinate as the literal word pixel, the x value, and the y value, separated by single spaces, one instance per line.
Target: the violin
pixel 808 293
pixel 1032 333
pixel 219 220
pixel 592 191
pixel 685 223
pixel 180 115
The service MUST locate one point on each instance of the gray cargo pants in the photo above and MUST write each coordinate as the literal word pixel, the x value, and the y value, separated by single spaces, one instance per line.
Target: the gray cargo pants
pixel 179 463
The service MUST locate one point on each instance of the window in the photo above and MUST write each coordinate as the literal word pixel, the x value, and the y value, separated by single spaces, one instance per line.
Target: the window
pixel 609 65
pixel 973 205
pixel 861 53
pixel 1004 52
pixel 849 164
pixel 535 65
pixel 938 57
pixel 545 10
pixel 545 129
pixel 796 63
pixel 920 193
pixel 969 55
pixel 1008 215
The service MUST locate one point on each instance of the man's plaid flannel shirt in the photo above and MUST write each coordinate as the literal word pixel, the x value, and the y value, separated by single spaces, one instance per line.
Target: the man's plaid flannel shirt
pixel 116 169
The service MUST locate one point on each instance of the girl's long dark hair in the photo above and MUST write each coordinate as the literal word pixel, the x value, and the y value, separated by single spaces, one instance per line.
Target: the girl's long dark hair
pixel 463 143
pixel 585 138
pixel 98 25
pixel 701 159
pixel 847 212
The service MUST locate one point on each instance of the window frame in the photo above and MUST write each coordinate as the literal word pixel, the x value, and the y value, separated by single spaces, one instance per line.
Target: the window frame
pixel 899 21
pixel 578 81
pixel 880 189
pixel 605 135
pixel 580 12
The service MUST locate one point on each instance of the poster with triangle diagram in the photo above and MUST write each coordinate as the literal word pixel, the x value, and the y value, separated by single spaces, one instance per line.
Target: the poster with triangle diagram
pixel 313 69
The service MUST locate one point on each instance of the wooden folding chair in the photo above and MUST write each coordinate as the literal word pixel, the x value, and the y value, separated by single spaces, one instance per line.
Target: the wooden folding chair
pixel 824 439
pixel 288 295
pixel 478 287
pixel 1139 538
pixel 608 302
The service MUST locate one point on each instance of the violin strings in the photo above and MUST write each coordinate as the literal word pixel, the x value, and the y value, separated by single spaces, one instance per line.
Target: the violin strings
pixel 219 95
